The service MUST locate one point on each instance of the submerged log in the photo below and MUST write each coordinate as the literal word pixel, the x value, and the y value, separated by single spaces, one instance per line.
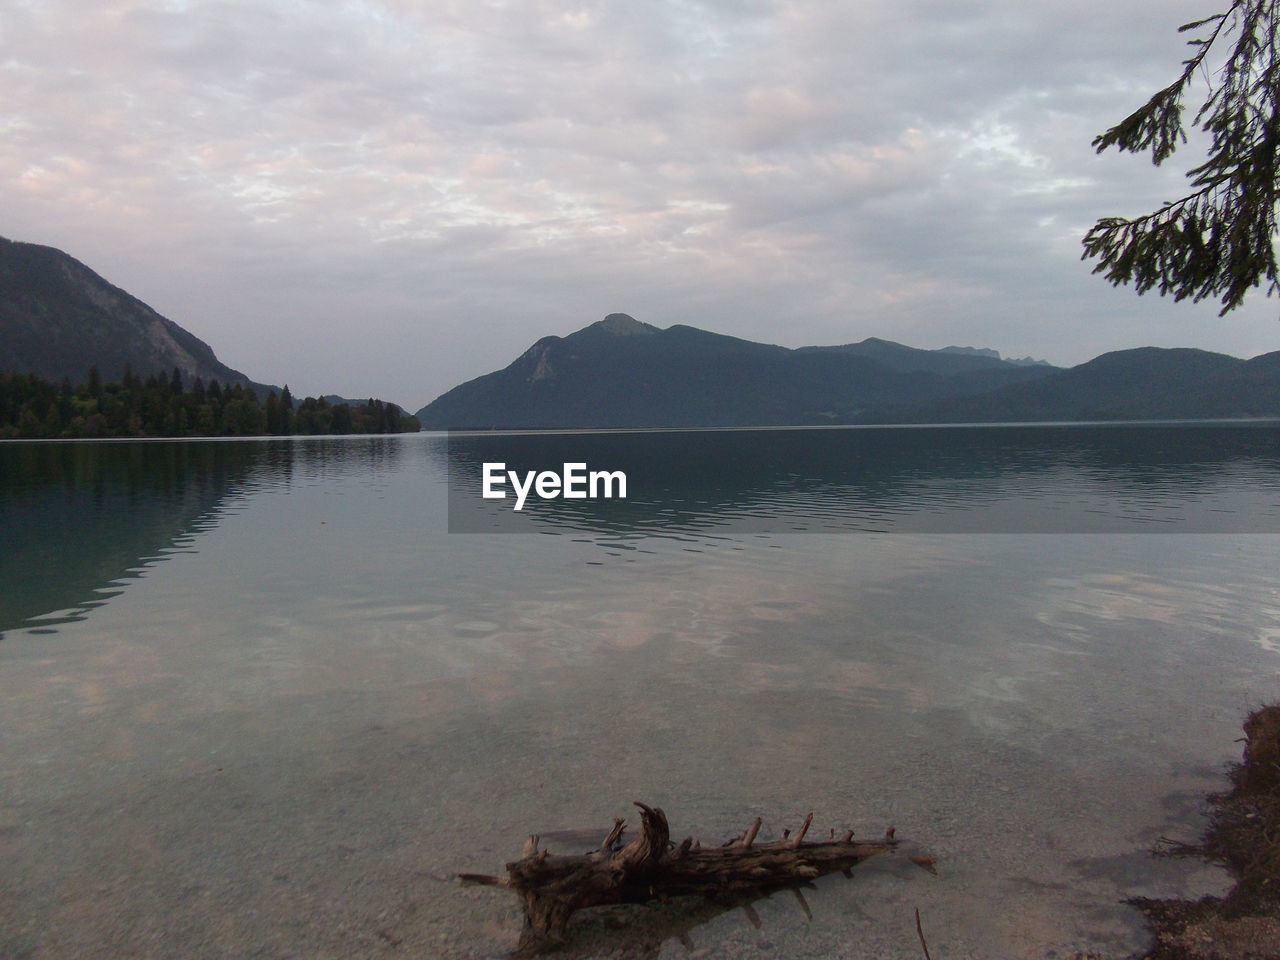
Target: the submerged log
pixel 651 867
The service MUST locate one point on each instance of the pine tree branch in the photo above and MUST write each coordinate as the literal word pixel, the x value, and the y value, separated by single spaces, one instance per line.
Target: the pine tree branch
pixel 1218 240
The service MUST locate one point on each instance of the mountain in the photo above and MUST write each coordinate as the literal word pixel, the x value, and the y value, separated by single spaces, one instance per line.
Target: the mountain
pixel 1147 383
pixel 1249 389
pixel 58 318
pixel 620 372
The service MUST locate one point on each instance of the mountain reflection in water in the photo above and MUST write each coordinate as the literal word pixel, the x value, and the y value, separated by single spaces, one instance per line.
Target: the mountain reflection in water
pixel 80 520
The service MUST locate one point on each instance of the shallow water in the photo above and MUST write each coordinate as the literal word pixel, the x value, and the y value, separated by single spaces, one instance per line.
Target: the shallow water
pixel 256 701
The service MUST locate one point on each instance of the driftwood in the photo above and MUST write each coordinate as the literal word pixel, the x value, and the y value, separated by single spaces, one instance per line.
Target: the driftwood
pixel 650 867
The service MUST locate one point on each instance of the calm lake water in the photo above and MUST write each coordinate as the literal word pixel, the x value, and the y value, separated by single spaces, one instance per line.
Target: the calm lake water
pixel 257 701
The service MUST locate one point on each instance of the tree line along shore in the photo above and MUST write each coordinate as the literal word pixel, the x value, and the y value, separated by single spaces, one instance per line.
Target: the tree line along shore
pixel 33 408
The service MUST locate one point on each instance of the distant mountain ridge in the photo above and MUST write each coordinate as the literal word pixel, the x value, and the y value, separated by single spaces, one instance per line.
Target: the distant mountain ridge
pixel 58 318
pixel 948 360
pixel 1145 383
pixel 620 372
pixel 988 352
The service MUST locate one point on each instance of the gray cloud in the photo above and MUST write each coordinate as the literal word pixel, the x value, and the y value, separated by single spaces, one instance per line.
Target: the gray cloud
pixel 390 197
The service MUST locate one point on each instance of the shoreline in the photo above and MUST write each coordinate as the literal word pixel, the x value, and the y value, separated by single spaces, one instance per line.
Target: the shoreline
pixel 1243 837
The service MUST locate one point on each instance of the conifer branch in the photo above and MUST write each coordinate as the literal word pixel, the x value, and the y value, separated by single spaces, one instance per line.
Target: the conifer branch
pixel 1218 240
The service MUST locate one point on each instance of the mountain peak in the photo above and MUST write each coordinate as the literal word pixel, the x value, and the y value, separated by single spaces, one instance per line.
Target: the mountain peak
pixel 973 352
pixel 625 325
pixel 994 355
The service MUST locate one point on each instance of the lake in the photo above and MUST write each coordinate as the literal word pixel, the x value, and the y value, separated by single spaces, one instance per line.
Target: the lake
pixel 257 700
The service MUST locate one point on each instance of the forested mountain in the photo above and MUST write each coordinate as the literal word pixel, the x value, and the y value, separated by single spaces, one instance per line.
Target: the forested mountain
pixel 624 373
pixel 620 372
pixel 58 318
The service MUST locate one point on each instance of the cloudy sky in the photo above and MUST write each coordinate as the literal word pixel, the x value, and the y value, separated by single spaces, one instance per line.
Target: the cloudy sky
pixel 393 196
